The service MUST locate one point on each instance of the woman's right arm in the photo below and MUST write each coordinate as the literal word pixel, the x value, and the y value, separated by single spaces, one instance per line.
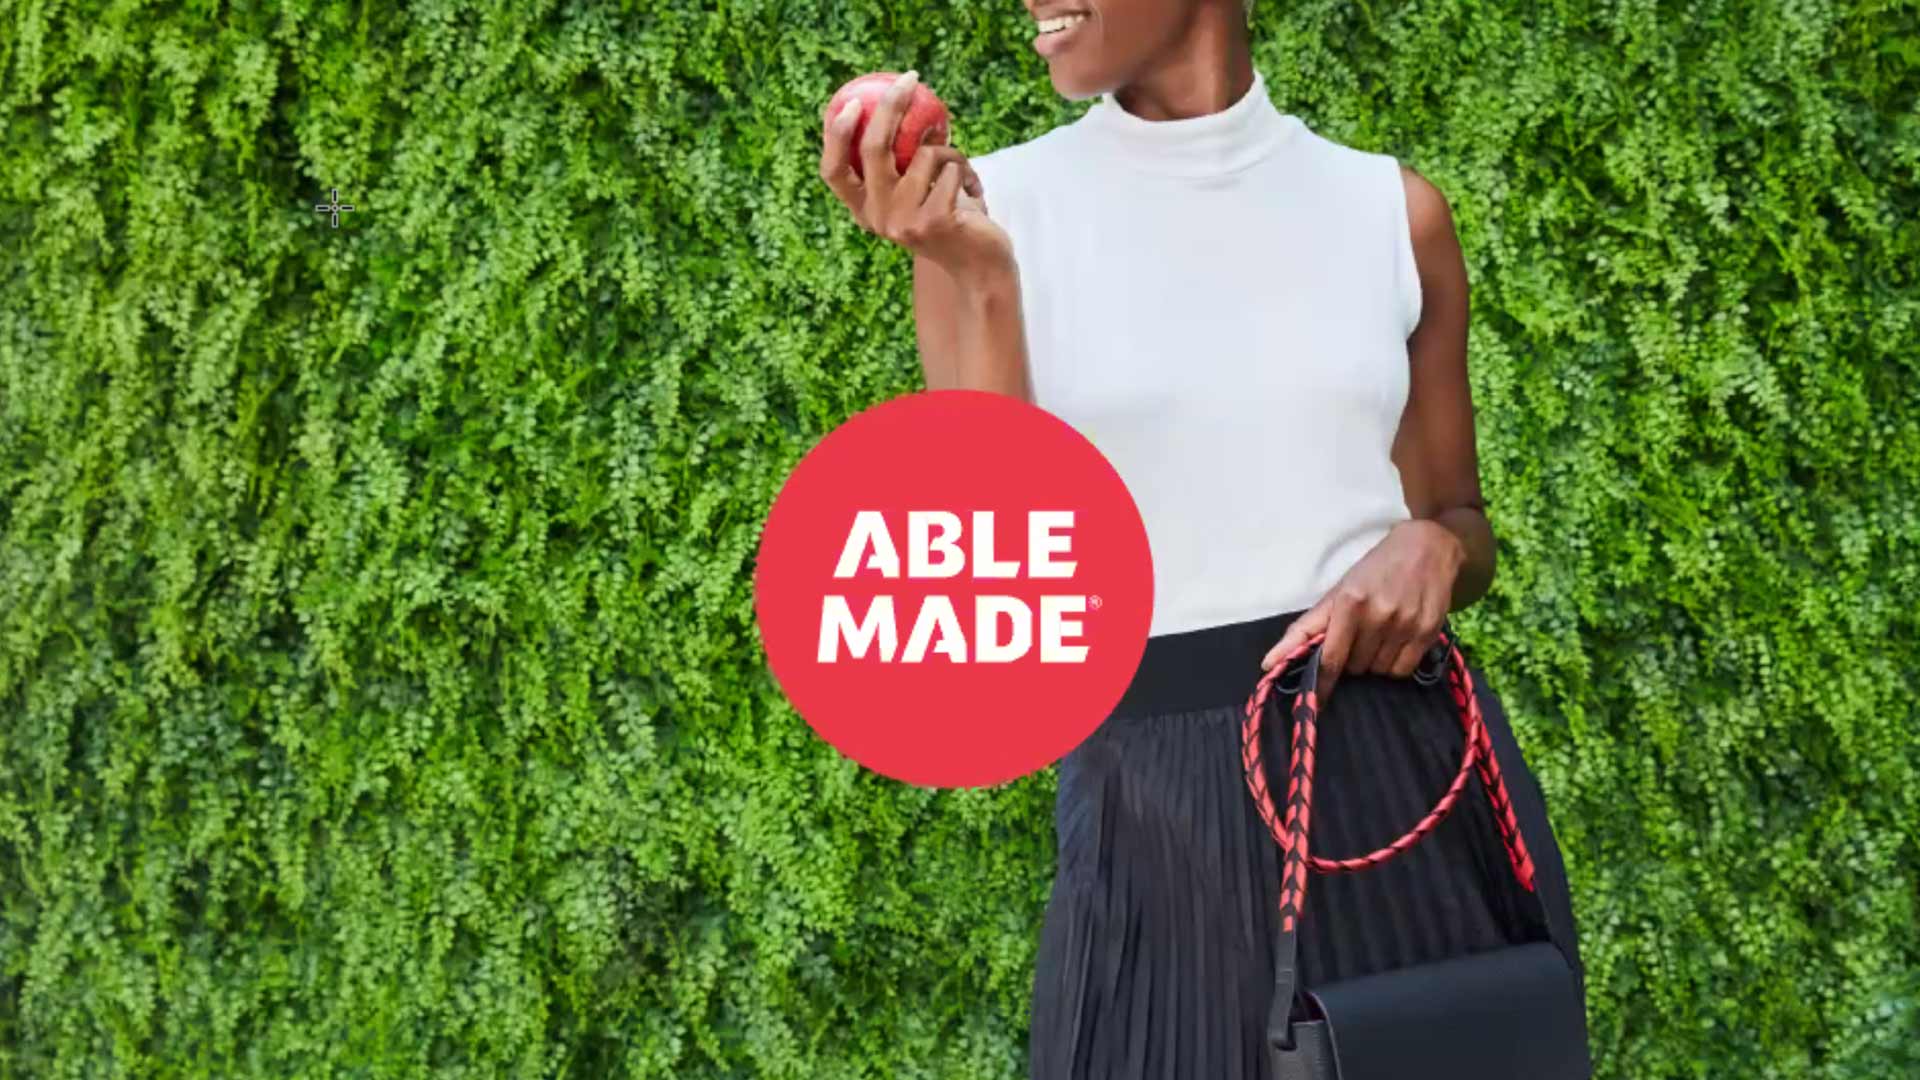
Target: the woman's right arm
pixel 971 330
pixel 966 284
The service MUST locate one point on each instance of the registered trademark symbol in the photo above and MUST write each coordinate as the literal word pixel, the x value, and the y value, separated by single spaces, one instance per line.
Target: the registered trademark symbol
pixel 1093 602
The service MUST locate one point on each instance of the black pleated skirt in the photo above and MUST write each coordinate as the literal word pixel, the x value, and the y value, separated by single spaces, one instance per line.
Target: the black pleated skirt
pixel 1155 958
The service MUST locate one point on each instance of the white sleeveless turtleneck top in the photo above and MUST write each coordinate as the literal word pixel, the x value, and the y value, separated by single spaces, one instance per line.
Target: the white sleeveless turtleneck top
pixel 1221 305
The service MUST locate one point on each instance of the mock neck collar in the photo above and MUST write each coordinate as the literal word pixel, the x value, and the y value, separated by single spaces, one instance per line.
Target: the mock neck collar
pixel 1211 144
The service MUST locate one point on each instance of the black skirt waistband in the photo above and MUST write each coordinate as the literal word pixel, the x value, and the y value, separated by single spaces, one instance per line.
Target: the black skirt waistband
pixel 1205 668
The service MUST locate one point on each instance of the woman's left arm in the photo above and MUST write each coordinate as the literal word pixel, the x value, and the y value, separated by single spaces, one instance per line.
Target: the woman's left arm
pixel 1435 448
pixel 1388 608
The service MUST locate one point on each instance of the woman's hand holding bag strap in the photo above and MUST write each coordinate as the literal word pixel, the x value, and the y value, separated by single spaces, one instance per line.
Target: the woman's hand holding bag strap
pixel 1505 1014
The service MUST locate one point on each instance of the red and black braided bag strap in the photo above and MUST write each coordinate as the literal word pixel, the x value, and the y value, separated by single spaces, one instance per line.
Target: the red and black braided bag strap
pixel 1291 831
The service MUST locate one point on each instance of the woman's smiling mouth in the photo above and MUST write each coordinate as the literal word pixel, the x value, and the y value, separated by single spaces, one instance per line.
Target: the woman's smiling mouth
pixel 1057 31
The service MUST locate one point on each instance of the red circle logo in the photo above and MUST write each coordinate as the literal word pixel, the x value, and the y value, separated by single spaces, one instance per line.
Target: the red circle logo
pixel 954 588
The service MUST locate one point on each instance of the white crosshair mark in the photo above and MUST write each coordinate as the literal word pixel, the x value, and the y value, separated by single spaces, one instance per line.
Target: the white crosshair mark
pixel 332 206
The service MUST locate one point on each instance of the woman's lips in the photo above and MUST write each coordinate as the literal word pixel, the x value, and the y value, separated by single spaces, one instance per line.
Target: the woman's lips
pixel 1050 43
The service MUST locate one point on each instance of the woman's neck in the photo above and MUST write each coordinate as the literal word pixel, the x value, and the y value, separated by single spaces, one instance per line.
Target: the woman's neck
pixel 1210 145
pixel 1207 70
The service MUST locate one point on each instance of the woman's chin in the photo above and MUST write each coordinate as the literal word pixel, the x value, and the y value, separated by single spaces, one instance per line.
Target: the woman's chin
pixel 1076 85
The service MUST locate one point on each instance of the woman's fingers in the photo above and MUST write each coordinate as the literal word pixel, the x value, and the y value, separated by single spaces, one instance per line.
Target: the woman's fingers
pixel 1354 641
pixel 928 162
pixel 876 146
pixel 947 188
pixel 1372 641
pixel 1335 649
pixel 836 157
pixel 971 181
pixel 1409 658
pixel 1298 632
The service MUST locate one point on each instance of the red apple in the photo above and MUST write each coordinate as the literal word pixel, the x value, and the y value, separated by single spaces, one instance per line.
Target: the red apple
pixel 925 117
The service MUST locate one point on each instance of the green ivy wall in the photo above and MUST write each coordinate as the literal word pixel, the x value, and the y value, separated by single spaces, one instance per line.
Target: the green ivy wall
pixel 379 690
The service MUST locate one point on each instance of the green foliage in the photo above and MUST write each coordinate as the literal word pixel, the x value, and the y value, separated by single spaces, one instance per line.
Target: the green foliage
pixel 379 693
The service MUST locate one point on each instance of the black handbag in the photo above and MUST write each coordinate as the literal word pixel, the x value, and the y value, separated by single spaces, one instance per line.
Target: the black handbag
pixel 1513 1013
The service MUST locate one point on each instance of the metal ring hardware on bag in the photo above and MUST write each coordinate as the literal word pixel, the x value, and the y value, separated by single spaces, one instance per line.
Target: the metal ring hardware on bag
pixel 1291 831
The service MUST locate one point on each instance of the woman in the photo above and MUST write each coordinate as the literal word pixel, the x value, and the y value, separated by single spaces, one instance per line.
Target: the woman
pixel 1265 331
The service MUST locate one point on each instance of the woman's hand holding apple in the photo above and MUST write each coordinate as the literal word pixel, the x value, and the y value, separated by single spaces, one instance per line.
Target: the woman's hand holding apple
pixel 936 208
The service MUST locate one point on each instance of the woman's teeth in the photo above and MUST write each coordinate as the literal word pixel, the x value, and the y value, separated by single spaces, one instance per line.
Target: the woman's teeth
pixel 1049 26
